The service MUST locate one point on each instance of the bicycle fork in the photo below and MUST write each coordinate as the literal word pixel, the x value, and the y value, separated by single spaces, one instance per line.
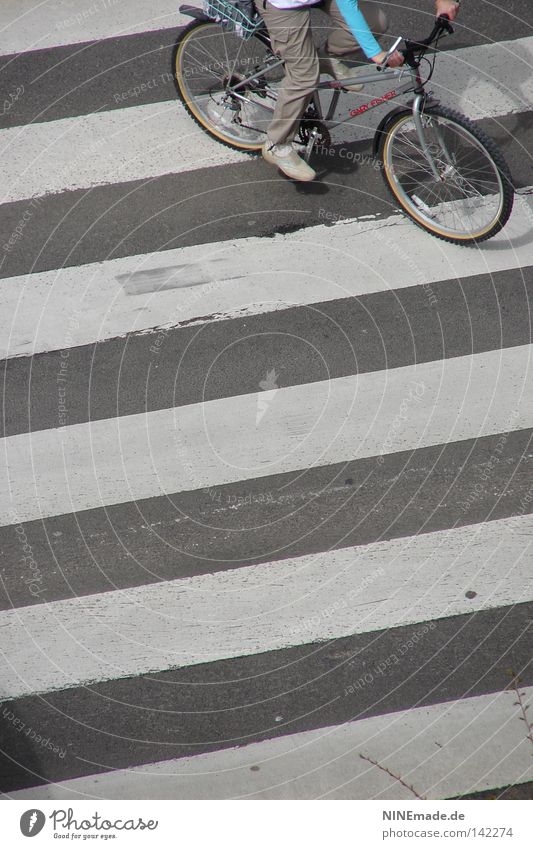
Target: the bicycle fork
pixel 425 147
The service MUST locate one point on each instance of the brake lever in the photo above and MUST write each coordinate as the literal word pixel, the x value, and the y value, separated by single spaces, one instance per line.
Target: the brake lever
pixel 390 51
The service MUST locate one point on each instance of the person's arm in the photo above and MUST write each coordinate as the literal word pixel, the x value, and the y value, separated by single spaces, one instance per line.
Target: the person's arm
pixel 359 28
pixel 442 7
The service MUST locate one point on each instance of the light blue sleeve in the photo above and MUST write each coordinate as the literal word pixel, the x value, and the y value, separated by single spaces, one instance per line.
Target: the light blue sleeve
pixel 359 28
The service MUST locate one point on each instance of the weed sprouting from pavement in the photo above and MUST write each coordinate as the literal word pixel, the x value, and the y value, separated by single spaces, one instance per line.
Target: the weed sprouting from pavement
pixel 393 775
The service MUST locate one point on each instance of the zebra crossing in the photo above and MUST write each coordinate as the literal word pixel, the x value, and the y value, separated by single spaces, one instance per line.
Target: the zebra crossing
pixel 266 493
pixel 90 150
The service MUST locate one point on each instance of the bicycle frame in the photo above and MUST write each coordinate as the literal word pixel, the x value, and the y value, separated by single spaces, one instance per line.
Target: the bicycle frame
pixel 412 84
pixel 336 86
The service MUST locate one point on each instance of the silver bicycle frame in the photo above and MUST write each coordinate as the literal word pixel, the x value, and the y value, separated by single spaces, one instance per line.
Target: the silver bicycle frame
pixel 371 78
pixel 336 86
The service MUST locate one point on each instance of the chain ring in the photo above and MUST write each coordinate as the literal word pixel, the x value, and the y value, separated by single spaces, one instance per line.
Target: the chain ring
pixel 307 125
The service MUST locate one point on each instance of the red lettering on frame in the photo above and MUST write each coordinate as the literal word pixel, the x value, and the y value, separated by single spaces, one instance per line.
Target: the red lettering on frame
pixel 372 103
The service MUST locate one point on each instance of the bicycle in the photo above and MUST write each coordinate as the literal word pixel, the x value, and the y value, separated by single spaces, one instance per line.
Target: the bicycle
pixel 442 169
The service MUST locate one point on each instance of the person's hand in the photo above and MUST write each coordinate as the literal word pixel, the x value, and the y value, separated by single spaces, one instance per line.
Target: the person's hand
pixel 446 7
pixel 393 61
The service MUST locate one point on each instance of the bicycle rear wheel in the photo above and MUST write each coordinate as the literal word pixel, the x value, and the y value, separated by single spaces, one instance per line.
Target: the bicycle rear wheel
pixel 473 198
pixel 207 60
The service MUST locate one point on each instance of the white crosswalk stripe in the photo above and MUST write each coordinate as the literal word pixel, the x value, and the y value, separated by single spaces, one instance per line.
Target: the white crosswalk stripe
pixel 218 442
pixel 223 280
pixel 283 569
pixel 27 25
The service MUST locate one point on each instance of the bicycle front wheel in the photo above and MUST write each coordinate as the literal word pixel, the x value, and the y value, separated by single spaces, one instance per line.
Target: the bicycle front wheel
pixel 208 61
pixel 472 196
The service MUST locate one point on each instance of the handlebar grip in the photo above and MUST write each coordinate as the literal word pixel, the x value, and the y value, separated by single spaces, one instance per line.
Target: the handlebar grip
pixel 444 22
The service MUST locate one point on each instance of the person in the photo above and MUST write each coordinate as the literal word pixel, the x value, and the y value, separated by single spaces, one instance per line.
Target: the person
pixel 355 26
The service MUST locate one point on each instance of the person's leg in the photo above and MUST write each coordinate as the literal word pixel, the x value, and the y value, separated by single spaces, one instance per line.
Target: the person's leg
pixel 291 38
pixel 340 40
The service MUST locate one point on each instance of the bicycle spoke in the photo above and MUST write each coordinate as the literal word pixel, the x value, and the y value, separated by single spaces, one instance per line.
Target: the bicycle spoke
pixel 213 65
pixel 204 69
pixel 467 198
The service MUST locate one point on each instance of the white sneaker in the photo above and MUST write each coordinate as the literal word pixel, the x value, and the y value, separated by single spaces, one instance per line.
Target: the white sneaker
pixel 284 157
pixel 337 69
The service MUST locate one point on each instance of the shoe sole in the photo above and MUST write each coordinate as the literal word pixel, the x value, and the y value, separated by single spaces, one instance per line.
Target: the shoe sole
pixel 272 161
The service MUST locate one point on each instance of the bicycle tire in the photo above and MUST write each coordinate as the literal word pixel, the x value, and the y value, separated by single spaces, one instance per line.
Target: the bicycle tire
pixel 415 209
pixel 192 108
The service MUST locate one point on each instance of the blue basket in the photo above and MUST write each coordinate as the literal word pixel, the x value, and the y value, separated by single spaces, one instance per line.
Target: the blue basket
pixel 232 15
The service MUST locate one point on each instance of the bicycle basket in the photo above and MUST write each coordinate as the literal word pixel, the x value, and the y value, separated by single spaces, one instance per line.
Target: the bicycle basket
pixel 237 15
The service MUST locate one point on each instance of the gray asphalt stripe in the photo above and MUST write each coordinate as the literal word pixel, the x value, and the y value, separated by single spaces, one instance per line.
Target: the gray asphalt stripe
pixel 514 791
pixel 305 344
pixel 78 79
pixel 209 707
pixel 267 519
pixel 210 205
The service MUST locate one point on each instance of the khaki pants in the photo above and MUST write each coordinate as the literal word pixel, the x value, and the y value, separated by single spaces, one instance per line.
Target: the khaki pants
pixel 292 40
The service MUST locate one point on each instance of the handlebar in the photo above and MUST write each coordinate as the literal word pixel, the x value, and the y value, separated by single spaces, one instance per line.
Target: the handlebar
pixel 442 24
